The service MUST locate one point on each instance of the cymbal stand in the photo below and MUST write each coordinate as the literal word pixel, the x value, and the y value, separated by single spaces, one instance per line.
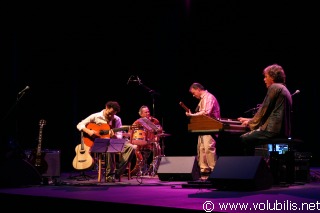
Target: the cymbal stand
pixel 162 148
pixel 161 154
pixel 144 163
pixel 157 154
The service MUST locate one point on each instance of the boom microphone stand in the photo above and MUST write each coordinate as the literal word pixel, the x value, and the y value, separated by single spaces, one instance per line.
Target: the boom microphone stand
pixel 16 148
pixel 151 91
pixel 19 96
pixel 253 110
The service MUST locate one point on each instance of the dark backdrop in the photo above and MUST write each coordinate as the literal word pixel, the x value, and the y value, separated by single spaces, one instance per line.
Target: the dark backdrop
pixel 74 61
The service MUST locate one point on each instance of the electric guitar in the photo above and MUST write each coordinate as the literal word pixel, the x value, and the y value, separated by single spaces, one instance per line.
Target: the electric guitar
pixel 103 132
pixel 37 158
pixel 184 106
pixel 83 159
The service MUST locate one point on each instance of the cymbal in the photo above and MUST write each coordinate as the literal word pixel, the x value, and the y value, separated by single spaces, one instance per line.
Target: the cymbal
pixel 163 135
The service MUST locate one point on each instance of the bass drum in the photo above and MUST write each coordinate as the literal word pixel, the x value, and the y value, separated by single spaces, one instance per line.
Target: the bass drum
pixel 139 137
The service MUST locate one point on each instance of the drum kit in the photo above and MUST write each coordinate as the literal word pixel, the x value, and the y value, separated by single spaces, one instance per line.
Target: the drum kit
pixel 148 141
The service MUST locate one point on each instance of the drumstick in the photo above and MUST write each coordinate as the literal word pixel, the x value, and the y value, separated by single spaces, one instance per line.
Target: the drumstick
pixel 184 106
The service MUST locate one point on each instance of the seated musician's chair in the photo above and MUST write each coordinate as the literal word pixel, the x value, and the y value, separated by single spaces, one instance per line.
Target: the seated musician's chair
pixel 113 146
pixel 102 165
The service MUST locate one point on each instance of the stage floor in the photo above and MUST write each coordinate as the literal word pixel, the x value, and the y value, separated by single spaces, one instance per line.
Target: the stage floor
pixel 150 193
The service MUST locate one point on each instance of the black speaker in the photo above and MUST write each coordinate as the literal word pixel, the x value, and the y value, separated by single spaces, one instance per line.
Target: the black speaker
pixel 244 173
pixel 18 172
pixel 52 157
pixel 178 169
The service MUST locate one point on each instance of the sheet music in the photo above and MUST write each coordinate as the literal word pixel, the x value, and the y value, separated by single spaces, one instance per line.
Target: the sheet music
pixel 146 123
pixel 113 145
pixel 116 145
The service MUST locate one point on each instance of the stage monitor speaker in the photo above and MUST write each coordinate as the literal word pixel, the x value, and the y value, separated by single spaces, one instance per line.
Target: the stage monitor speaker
pixel 178 169
pixel 243 173
pixel 52 157
pixel 18 172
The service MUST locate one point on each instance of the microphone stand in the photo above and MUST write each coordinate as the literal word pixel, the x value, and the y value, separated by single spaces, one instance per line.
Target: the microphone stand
pixel 13 144
pixel 253 110
pixel 19 96
pixel 152 92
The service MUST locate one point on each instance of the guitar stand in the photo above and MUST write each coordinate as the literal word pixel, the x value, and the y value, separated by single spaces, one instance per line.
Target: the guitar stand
pixel 81 177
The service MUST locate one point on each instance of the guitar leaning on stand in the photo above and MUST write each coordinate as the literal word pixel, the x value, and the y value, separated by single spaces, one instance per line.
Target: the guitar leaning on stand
pixel 37 158
pixel 83 159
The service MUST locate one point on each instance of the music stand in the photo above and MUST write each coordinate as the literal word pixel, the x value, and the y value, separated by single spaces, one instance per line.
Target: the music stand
pixel 100 145
pixel 103 145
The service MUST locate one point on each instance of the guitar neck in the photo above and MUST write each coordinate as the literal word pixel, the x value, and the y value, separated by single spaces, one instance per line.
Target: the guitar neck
pixel 82 142
pixel 42 123
pixel 184 106
pixel 39 143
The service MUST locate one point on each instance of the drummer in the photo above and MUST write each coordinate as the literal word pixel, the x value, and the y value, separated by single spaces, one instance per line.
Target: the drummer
pixel 147 140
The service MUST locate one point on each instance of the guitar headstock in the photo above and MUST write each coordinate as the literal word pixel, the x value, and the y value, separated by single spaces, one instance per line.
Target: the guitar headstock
pixel 42 122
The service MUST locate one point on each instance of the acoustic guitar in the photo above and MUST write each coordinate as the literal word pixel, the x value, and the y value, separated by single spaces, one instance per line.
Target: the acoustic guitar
pixel 83 159
pixel 103 132
pixel 37 158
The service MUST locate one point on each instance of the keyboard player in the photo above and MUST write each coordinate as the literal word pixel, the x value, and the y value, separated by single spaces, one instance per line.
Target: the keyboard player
pixel 273 118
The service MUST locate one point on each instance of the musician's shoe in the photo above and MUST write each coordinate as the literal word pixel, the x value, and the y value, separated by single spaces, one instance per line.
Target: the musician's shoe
pixel 110 179
pixel 117 175
pixel 205 172
pixel 126 173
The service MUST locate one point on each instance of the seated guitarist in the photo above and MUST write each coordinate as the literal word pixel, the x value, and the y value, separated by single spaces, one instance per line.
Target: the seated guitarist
pixel 108 116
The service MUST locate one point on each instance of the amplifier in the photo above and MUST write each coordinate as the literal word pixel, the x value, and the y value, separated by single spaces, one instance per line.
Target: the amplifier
pixel 302 170
pixel 52 158
pixel 303 155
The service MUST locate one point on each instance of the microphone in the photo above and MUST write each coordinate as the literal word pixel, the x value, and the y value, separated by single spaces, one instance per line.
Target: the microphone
pixel 296 92
pixel 129 79
pixel 138 79
pixel 26 88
